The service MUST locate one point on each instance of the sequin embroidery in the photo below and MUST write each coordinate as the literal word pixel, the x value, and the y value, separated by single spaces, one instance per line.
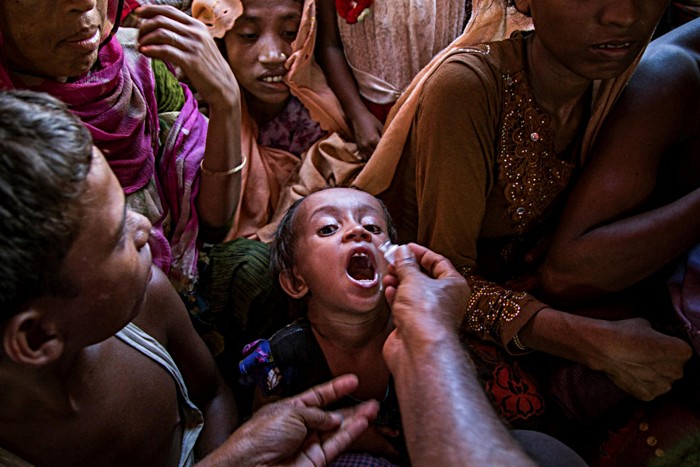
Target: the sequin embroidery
pixel 529 171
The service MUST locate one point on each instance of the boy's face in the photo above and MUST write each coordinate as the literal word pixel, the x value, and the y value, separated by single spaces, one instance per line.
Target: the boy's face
pixel 338 232
pixel 109 263
pixel 258 45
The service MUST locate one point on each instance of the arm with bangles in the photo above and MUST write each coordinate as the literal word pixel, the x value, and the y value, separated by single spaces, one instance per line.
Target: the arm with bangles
pixel 455 171
pixel 170 35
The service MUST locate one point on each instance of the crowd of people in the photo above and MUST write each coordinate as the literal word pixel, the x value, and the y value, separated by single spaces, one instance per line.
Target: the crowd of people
pixel 195 194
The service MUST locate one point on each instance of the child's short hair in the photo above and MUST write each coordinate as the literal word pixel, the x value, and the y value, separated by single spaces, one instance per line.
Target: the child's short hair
pixel 45 156
pixel 283 254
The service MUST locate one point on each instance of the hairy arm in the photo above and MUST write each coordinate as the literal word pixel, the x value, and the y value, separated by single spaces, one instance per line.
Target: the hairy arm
pixel 608 238
pixel 446 415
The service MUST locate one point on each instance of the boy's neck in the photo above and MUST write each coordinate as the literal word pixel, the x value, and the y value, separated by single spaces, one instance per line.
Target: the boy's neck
pixel 44 392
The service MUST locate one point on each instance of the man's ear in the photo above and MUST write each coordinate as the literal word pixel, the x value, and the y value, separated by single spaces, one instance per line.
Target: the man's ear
pixel 30 339
pixel 293 284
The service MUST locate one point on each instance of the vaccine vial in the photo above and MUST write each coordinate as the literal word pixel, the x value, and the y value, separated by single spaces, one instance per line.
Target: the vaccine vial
pixel 388 249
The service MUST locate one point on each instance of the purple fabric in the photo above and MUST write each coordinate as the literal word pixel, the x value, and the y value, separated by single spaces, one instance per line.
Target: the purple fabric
pixel 684 287
pixel 116 102
pixel 293 130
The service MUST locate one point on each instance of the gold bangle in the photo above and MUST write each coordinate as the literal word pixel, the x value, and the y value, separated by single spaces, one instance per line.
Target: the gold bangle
pixel 223 173
pixel 518 344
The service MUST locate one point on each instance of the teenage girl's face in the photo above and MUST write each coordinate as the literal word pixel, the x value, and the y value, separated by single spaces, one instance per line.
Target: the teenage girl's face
pixel 594 39
pixel 258 45
pixel 55 39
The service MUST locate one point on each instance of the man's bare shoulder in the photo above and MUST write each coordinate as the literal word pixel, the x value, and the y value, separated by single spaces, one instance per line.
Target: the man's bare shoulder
pixel 158 307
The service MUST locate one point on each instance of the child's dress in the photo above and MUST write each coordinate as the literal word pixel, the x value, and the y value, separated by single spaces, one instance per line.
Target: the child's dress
pixel 292 361
pixel 395 41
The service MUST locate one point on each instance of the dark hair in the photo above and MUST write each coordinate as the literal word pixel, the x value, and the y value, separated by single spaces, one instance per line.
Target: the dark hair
pixel 45 156
pixel 283 249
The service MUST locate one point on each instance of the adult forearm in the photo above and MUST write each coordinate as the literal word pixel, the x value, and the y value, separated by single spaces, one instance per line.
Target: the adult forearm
pixel 615 256
pixel 219 190
pixel 446 416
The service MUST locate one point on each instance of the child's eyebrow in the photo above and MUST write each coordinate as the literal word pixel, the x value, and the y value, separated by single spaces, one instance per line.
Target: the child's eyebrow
pixel 323 210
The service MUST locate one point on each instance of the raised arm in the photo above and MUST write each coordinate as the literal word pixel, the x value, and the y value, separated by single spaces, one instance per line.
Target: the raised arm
pixel 330 55
pixel 609 237
pixel 173 36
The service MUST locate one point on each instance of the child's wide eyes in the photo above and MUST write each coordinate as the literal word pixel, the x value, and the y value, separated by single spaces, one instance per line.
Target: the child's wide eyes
pixel 373 229
pixel 327 230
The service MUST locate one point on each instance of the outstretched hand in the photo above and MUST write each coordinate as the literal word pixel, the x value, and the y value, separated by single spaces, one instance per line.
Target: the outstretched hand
pixel 168 34
pixel 426 306
pixel 296 431
pixel 641 361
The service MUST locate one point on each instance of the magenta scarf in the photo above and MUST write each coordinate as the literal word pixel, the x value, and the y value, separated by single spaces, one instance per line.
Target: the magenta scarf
pixel 116 102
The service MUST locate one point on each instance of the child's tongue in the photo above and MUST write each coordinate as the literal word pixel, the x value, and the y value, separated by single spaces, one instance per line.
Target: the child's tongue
pixel 360 268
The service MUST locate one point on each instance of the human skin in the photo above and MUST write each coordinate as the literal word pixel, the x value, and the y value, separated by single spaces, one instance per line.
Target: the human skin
pixel 636 205
pixel 257 48
pixel 168 34
pixel 69 382
pixel 295 431
pixel 572 46
pixel 349 317
pixel 455 424
pixel 367 130
pixel 59 40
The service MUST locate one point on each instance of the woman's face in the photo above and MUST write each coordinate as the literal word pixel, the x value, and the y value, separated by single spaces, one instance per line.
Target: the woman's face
pixel 258 45
pixel 594 39
pixel 55 39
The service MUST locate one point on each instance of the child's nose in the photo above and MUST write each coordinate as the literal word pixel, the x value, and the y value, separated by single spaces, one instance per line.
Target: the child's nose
pixel 358 233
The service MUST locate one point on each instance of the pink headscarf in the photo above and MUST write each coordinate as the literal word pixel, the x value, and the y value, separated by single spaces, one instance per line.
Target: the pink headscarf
pixel 116 102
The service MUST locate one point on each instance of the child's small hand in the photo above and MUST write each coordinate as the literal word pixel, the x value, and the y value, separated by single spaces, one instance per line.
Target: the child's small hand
pixel 367 131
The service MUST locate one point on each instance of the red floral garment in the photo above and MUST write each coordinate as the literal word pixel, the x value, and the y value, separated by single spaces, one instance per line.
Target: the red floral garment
pixel 353 10
pixel 513 392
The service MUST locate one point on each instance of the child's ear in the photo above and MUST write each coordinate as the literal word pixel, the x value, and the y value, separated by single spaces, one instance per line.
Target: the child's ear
pixel 293 284
pixel 29 339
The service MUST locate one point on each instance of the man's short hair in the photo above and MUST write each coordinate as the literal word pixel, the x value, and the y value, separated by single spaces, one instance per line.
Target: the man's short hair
pixel 45 156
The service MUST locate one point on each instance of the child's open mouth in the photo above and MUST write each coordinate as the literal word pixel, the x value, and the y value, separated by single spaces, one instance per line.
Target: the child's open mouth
pixel 361 268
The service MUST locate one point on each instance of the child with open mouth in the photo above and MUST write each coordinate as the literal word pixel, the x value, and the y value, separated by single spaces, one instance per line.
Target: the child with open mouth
pixel 327 258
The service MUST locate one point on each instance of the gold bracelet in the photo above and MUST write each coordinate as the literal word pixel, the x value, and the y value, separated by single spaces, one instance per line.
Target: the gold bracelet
pixel 223 173
pixel 518 344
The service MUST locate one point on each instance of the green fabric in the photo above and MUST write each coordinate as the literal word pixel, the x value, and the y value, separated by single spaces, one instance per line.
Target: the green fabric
pixel 244 301
pixel 169 94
